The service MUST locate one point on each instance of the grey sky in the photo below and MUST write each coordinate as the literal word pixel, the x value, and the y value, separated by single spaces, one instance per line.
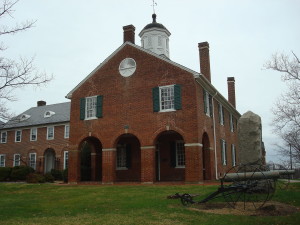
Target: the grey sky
pixel 72 37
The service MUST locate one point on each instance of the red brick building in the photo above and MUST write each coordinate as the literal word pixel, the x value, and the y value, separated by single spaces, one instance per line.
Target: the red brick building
pixel 38 138
pixel 139 116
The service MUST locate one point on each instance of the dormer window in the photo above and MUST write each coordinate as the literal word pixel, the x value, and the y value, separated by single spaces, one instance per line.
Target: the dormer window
pixel 24 117
pixel 48 114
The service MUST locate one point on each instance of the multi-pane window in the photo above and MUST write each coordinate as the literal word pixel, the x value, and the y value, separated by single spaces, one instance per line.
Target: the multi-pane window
pixel 221 114
pixel 207 99
pixel 233 155
pixel 67 131
pixel 121 157
pixel 91 103
pixel 231 123
pixel 32 160
pixel 166 98
pixel 17 159
pixel 180 154
pixel 50 133
pixel 33 134
pixel 18 136
pixel 2 160
pixel 66 159
pixel 223 152
pixel 3 137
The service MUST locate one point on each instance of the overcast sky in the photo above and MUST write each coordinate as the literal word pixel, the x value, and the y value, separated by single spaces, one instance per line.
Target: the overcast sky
pixel 72 37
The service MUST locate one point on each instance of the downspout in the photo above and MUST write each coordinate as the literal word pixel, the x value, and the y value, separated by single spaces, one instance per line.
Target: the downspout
pixel 215 141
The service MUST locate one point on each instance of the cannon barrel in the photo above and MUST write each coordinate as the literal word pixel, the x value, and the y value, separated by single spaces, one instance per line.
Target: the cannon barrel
pixel 229 177
pixel 284 172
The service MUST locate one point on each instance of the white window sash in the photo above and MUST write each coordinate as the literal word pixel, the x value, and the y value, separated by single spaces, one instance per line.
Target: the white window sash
pixel 121 157
pixel 180 154
pixel 32 160
pixel 17 159
pixel 3 137
pixel 224 162
pixel 18 136
pixel 49 129
pixel 67 131
pixel 33 133
pixel 167 98
pixel 2 160
pixel 90 107
pixel 66 159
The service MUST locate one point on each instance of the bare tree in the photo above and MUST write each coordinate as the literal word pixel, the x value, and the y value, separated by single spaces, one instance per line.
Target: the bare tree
pixel 286 121
pixel 15 74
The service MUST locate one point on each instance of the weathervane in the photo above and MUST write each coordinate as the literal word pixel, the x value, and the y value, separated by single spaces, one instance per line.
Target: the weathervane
pixel 153 5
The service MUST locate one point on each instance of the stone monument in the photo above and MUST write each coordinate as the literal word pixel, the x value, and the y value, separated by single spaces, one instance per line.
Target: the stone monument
pixel 250 139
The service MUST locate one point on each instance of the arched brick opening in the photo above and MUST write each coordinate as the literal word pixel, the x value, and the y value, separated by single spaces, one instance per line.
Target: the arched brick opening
pixel 49 160
pixel 170 157
pixel 128 158
pixel 90 159
pixel 206 158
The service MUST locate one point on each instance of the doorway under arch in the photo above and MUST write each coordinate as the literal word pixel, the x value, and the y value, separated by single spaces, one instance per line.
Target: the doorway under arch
pixel 49 160
pixel 170 157
pixel 128 158
pixel 206 158
pixel 91 159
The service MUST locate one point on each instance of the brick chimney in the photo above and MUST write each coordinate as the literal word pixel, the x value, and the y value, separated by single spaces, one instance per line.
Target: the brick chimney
pixel 129 34
pixel 204 59
pixel 231 90
pixel 41 103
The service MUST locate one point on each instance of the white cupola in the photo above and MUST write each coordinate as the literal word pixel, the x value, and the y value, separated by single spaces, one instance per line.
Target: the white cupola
pixel 155 37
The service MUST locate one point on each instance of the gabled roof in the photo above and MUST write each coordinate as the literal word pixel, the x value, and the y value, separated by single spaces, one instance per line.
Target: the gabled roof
pixel 200 79
pixel 35 116
pixel 162 57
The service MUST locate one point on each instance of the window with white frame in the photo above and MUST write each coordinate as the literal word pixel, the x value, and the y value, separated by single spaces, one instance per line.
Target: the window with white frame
pixel 233 155
pixel 231 123
pixel 90 108
pixel 33 134
pixel 166 94
pixel 2 160
pixel 121 157
pixel 221 114
pixel 66 159
pixel 50 133
pixel 180 154
pixel 67 131
pixel 18 136
pixel 32 160
pixel 17 159
pixel 223 152
pixel 207 99
pixel 4 137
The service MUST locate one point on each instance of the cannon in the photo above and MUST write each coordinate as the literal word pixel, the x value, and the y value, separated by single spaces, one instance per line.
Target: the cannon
pixel 244 184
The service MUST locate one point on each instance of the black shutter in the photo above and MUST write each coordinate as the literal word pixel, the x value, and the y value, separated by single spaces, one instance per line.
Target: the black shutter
pixel 220 113
pixel 99 106
pixel 177 96
pixel 128 156
pixel 204 101
pixel 210 105
pixel 155 96
pixel 173 153
pixel 82 108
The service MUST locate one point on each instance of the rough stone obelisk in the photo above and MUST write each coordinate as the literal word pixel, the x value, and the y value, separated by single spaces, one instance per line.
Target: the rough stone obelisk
pixel 250 139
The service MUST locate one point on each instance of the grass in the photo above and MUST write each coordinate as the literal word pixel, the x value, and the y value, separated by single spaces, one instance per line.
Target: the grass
pixel 119 204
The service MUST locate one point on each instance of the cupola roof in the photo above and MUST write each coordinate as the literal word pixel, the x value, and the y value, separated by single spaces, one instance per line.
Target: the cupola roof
pixel 154 24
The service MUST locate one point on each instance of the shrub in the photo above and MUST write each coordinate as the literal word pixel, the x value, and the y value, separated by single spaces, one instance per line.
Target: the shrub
pixel 57 174
pixel 65 175
pixel 35 178
pixel 49 178
pixel 5 173
pixel 20 172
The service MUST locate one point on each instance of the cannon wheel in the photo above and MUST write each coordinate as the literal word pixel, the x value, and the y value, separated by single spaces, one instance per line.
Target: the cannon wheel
pixel 186 199
pixel 247 193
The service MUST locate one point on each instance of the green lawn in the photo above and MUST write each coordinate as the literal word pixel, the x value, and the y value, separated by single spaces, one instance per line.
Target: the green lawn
pixel 120 204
